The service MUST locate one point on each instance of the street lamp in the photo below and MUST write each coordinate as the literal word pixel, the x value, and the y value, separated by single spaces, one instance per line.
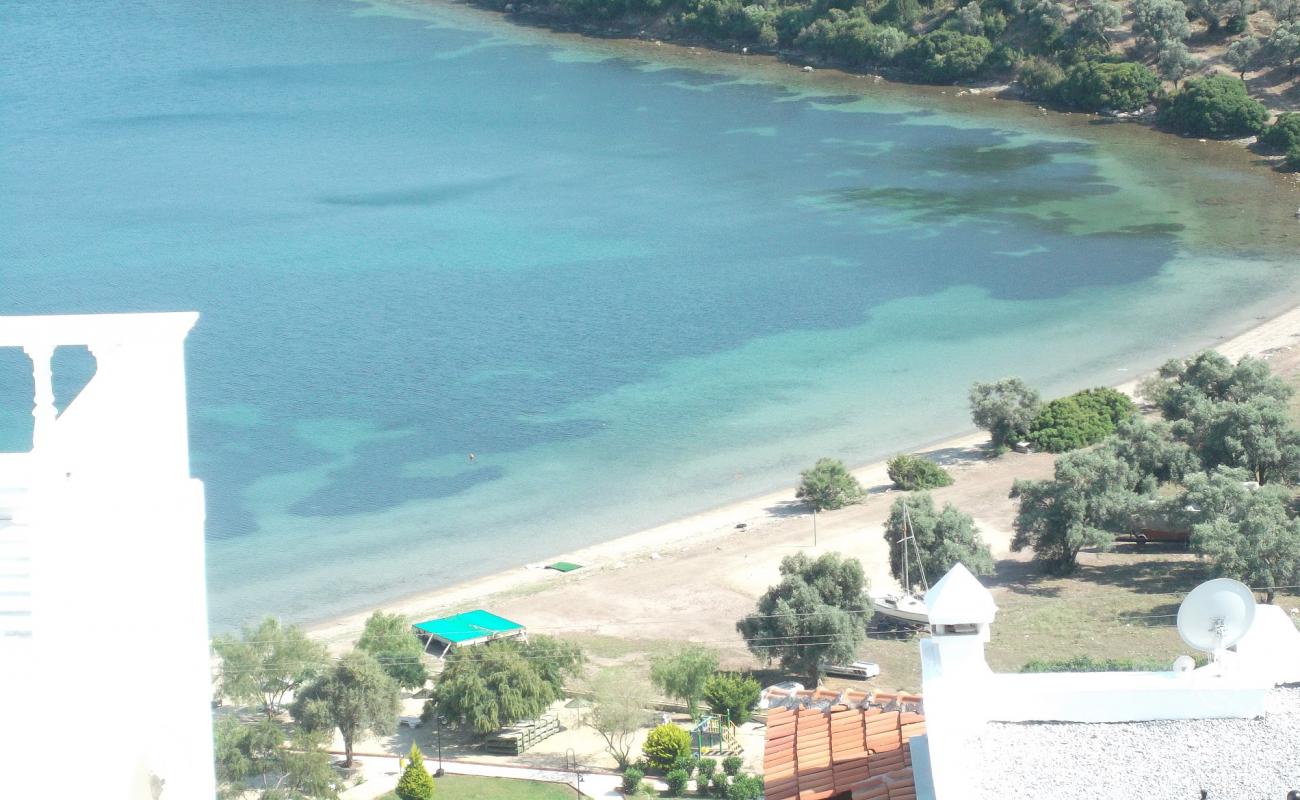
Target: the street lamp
pixel 439 773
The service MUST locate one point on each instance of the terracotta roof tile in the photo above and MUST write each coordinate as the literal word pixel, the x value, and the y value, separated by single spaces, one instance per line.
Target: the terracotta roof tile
pixel 824 743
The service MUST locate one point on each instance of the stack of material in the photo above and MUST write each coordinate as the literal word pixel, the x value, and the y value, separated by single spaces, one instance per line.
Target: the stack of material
pixel 515 739
pixel 822 744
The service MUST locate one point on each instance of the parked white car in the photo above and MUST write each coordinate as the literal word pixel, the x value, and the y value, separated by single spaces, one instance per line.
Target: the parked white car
pixel 785 686
pixel 858 670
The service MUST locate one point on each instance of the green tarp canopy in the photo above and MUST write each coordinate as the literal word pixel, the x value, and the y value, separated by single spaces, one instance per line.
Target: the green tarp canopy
pixel 564 566
pixel 468 628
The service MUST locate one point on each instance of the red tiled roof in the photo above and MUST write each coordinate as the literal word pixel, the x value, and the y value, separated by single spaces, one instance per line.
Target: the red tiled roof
pixel 821 744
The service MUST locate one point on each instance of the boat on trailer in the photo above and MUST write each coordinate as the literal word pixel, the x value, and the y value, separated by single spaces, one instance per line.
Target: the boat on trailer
pixel 905 608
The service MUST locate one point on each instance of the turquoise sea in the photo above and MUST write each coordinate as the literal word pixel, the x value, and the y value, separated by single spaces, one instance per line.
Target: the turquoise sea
pixel 635 284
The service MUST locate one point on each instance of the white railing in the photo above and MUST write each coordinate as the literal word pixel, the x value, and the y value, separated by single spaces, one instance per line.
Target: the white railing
pixel 128 423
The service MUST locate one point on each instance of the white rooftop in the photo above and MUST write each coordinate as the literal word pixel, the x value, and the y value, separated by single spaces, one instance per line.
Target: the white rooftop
pixel 1233 759
pixel 959 599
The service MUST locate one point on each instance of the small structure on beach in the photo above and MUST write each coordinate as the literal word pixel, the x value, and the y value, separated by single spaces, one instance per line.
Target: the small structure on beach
pixel 463 630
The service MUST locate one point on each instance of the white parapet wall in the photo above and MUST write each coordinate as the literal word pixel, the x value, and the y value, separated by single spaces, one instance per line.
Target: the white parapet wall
pixel 105 683
pixel 962 694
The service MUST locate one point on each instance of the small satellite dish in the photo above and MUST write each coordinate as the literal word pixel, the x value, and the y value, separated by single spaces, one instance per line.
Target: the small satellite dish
pixel 1184 664
pixel 1215 615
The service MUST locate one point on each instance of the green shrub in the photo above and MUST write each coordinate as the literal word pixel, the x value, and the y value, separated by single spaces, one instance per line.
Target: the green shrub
pixel 732 764
pixel 1216 106
pixel 732 696
pixel 719 785
pixel 416 783
pixel 677 780
pixel 632 780
pixel 1090 664
pixel 913 472
pixel 687 764
pixel 706 769
pixel 852 38
pixel 1283 134
pixel 1079 420
pixel 665 745
pixel 944 56
pixel 1099 86
pixel 1041 78
pixel 1292 160
pixel 745 787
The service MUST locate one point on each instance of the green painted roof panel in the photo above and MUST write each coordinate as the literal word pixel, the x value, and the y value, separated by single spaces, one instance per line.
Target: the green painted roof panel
pixel 477 624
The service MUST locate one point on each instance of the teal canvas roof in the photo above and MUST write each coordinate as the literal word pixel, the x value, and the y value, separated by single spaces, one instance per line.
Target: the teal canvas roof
pixel 471 625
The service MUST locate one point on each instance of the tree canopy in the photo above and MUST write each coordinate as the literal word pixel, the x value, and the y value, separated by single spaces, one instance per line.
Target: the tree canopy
pixel 1101 85
pixel 1245 533
pixel 944 56
pixel 1229 414
pixel 1005 408
pixel 355 696
pixel 911 472
pixel 253 757
pixel 1079 420
pixel 828 485
pixel 943 538
pixel 682 674
pixel 732 696
pixel 1093 494
pixel 815 614
pixel 1216 107
pixel 267 662
pixel 389 638
pixel 621 699
pixel 488 686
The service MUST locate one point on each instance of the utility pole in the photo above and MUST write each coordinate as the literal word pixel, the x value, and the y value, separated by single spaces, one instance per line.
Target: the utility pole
pixel 814 526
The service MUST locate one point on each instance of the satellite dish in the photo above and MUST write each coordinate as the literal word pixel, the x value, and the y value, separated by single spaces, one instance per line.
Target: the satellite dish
pixel 1215 615
pixel 1184 664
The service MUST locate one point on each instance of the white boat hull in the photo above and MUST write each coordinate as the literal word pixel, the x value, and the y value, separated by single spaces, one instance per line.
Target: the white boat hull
pixel 906 609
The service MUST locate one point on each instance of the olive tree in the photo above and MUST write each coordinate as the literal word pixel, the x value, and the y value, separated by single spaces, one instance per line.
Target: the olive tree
pixel 1175 62
pixel 620 701
pixel 1249 535
pixel 814 614
pixel 267 662
pixel 389 638
pixel 1092 495
pixel 1242 54
pixel 1005 408
pixel 1283 44
pixel 1159 21
pixel 942 538
pixel 1282 10
pixel 354 696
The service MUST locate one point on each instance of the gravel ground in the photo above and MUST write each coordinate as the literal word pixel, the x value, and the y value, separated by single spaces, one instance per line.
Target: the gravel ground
pixel 1257 759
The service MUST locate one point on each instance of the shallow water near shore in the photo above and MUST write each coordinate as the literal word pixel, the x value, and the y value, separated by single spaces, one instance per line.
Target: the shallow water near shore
pixel 633 289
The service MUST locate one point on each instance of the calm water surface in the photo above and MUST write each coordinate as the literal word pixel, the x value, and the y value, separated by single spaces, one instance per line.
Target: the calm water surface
pixel 634 290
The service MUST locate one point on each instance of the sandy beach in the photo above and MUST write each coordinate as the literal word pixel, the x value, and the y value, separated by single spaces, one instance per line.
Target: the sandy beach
pixel 705 571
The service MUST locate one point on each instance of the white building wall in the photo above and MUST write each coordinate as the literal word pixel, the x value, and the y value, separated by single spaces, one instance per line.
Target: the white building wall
pixel 112 687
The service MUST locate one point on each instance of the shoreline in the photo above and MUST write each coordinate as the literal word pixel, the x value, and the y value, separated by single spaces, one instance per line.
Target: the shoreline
pixel 801 65
pixel 745 518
